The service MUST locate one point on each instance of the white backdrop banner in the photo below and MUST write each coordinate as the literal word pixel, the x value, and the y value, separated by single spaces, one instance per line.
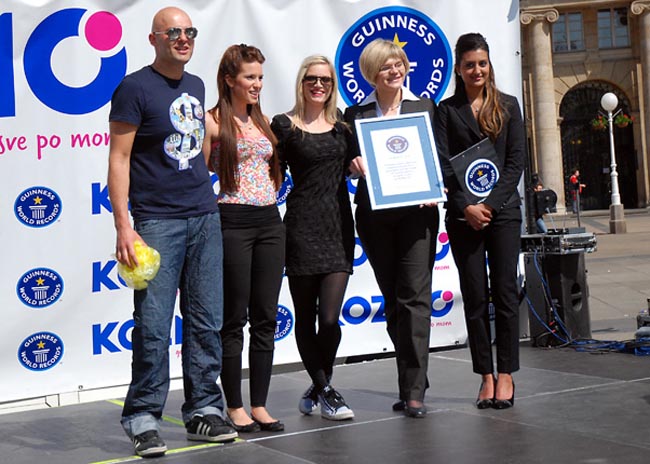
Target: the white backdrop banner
pixel 67 316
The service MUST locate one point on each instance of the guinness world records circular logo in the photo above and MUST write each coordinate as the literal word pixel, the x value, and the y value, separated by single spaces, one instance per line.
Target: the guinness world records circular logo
pixel 424 43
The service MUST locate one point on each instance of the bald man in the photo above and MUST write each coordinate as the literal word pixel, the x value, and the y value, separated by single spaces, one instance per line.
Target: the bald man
pixel 155 162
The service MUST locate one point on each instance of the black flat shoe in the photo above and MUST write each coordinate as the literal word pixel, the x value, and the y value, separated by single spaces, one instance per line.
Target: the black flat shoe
pixel 253 427
pixel 416 412
pixel 485 403
pixel 505 404
pixel 399 406
pixel 275 426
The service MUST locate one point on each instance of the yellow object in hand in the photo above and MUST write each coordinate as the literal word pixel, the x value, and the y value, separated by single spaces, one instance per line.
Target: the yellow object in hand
pixel 148 264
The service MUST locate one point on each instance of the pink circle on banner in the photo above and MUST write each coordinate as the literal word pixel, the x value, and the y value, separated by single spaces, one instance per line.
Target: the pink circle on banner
pixel 447 296
pixel 443 237
pixel 103 31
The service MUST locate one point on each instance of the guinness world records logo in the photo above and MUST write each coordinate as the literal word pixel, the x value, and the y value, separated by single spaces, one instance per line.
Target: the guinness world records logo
pixel 39 288
pixel 481 176
pixel 40 351
pixel 284 323
pixel 38 207
pixel 422 40
pixel 285 189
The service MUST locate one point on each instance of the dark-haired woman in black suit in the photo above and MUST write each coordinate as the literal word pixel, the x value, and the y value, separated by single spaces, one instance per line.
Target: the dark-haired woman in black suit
pixel 488 231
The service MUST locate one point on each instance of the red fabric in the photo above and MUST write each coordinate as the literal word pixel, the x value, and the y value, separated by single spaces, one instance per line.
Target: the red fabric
pixel 574 183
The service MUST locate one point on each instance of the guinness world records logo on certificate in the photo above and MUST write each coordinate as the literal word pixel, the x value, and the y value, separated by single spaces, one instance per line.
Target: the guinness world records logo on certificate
pixel 420 37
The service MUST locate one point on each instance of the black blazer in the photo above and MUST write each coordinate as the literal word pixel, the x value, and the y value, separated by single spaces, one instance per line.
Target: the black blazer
pixel 456 129
pixel 361 198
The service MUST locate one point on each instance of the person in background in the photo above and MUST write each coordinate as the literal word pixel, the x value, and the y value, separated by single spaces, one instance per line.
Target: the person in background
pixel 313 143
pixel 155 163
pixel 400 242
pixel 488 231
pixel 241 150
pixel 576 190
pixel 539 217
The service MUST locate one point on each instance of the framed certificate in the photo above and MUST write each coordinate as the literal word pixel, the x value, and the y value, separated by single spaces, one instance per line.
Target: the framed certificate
pixel 402 166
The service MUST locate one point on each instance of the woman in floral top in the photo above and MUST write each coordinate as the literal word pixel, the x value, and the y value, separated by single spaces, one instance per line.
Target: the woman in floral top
pixel 241 149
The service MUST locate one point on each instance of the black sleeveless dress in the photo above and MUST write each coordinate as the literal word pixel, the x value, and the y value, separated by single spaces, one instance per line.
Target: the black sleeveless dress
pixel 318 219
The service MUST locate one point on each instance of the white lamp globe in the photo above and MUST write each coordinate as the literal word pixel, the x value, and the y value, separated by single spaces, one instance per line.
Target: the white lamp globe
pixel 609 102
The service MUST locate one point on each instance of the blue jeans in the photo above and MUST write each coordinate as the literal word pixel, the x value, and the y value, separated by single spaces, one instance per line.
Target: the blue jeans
pixel 191 260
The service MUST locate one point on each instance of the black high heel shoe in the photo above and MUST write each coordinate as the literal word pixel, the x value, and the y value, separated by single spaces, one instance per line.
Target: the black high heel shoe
pixel 485 403
pixel 399 406
pixel 416 412
pixel 505 404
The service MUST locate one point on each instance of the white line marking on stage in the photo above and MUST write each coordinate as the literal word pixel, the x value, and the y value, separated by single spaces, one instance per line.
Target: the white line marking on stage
pixel 325 429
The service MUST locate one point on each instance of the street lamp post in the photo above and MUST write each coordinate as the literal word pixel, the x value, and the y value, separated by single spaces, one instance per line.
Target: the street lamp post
pixel 617 224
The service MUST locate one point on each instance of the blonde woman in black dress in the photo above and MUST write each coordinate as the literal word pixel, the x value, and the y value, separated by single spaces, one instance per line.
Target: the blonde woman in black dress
pixel 312 142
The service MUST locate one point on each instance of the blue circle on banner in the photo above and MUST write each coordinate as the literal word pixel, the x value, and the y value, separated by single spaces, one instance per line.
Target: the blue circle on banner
pixel 38 207
pixel 40 351
pixel 285 189
pixel 447 299
pixel 481 176
pixel 424 43
pixel 39 288
pixel 102 32
pixel 283 323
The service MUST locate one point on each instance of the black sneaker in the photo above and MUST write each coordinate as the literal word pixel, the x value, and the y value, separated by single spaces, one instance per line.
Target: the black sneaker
pixel 210 428
pixel 309 401
pixel 149 444
pixel 332 405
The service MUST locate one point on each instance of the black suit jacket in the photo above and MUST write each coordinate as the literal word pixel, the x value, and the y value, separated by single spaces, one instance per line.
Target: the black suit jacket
pixel 456 129
pixel 352 113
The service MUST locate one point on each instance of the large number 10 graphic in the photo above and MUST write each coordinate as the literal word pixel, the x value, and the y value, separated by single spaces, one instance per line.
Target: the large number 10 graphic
pixel 102 31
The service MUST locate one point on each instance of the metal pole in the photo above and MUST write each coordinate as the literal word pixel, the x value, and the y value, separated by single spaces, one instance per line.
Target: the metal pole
pixel 578 203
pixel 616 197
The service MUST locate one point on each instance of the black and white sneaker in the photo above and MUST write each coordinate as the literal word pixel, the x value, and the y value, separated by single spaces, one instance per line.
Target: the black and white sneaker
pixel 309 401
pixel 149 444
pixel 209 428
pixel 332 405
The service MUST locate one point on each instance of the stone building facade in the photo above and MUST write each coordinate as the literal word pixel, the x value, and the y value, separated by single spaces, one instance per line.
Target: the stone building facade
pixel 574 51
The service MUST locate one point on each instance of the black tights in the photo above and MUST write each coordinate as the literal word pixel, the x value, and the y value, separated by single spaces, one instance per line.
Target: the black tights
pixel 318 297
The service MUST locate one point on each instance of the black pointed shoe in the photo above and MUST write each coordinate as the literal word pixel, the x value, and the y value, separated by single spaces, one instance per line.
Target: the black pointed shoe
pixel 505 404
pixel 483 403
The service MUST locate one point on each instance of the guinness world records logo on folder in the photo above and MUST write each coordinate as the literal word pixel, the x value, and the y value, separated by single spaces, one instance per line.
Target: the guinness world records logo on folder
pixel 477 169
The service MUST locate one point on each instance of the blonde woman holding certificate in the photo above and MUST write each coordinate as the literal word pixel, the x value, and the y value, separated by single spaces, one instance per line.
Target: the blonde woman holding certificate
pixel 400 242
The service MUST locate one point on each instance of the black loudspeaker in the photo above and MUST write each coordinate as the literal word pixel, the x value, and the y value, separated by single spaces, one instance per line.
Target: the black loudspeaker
pixel 566 281
pixel 545 202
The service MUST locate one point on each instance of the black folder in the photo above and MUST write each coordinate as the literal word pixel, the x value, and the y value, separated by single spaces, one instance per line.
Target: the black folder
pixel 477 169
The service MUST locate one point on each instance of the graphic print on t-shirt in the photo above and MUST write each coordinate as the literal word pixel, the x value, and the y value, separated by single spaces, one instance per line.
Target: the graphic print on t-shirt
pixel 186 115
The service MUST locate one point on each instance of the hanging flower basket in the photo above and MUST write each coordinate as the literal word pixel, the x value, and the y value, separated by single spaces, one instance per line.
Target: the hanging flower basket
pixel 623 120
pixel 599 123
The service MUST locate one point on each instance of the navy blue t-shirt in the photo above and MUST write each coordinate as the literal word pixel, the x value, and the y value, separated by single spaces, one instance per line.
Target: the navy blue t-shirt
pixel 168 176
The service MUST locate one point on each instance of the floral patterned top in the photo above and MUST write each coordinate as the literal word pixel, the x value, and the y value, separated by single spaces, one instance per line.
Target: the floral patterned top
pixel 255 185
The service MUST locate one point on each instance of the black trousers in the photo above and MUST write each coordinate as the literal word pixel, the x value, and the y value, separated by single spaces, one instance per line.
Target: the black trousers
pixel 252 276
pixel 496 246
pixel 401 247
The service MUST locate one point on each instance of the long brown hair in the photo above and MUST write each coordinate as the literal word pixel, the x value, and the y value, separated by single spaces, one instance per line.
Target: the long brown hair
pixel 492 115
pixel 222 112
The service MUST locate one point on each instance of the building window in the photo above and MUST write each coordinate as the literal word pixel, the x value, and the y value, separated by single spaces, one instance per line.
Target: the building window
pixel 613 31
pixel 567 33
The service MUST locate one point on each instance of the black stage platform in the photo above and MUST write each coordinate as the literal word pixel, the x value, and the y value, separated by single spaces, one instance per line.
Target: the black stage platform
pixel 571 407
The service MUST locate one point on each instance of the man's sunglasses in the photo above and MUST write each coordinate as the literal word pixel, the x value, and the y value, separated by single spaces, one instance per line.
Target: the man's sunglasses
pixel 174 33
